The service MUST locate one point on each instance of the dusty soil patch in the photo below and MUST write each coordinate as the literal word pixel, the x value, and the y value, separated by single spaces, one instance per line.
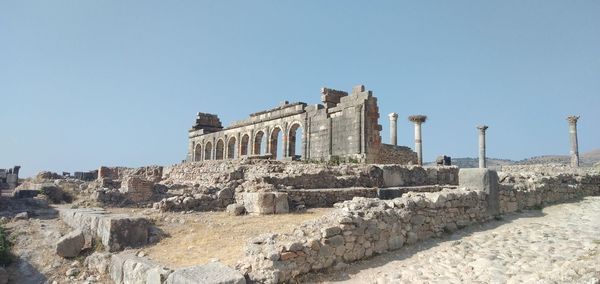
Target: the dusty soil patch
pixel 196 238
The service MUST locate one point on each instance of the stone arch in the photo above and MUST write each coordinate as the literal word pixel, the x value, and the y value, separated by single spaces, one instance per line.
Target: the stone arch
pixel 198 152
pixel 274 141
pixel 258 141
pixel 296 130
pixel 208 151
pixel 232 148
pixel 220 149
pixel 245 145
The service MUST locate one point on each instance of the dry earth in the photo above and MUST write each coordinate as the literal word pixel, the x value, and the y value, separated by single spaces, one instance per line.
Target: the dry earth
pixel 559 244
pixel 197 238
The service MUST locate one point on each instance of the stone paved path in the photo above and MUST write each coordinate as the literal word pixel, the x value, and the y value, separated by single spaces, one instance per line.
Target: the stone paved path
pixel 560 244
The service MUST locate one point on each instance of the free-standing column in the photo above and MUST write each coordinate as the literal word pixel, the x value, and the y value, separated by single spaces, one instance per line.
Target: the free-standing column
pixel 418 120
pixel 393 128
pixel 482 162
pixel 573 133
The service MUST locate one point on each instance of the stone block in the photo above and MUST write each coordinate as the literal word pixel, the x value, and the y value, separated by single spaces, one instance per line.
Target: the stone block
pixel 485 180
pixel 235 209
pixel 259 202
pixel 71 244
pixel 266 203
pixel 213 273
pixel 126 268
pixel 281 203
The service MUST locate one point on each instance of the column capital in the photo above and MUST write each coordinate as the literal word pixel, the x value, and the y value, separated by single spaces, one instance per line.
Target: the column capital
pixel 482 128
pixel 572 119
pixel 417 118
pixel 393 116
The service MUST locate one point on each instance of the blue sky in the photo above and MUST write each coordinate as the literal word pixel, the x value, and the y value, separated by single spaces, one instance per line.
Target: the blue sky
pixel 90 83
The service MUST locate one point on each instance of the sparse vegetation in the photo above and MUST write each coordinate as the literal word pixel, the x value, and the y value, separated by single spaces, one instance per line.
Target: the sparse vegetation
pixel 6 257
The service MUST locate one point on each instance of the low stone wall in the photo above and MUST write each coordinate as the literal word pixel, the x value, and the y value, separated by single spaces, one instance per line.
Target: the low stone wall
pixel 116 231
pixel 392 154
pixel 538 187
pixel 363 227
pixel 312 198
pixel 400 175
pixel 359 229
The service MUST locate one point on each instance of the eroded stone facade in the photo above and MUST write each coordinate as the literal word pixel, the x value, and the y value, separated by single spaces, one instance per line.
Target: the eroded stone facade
pixel 344 127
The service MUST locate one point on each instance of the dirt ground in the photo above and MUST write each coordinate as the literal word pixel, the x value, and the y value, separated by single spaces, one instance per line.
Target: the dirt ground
pixel 197 238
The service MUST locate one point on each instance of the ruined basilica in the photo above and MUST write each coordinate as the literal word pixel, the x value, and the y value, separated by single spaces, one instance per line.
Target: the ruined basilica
pixel 343 127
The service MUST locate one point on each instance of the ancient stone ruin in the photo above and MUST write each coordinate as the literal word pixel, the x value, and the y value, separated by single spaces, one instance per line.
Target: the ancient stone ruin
pixel 9 178
pixel 345 127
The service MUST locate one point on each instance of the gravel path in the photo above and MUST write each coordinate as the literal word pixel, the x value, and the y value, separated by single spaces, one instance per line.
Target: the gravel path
pixel 560 244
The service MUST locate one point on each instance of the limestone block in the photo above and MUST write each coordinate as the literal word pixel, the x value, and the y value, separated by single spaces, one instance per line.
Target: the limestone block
pixel 71 244
pixel 213 273
pixel 126 268
pixel 259 202
pixel 484 180
pixel 118 232
pixel 266 202
pixel 281 203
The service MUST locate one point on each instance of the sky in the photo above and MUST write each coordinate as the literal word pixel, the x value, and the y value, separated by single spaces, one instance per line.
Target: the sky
pixel 118 83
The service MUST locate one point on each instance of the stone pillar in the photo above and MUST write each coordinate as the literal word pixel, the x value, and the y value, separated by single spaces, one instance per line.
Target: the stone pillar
pixel 573 133
pixel 393 128
pixel 482 161
pixel 418 120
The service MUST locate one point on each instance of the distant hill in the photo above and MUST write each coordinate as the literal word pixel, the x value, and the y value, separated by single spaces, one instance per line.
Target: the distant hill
pixel 587 159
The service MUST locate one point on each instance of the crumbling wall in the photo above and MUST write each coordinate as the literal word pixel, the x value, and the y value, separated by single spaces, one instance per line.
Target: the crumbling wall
pixel 530 187
pixel 359 229
pixel 392 154
pixel 363 227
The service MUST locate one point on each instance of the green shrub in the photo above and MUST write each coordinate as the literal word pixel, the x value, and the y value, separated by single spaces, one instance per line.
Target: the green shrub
pixel 6 256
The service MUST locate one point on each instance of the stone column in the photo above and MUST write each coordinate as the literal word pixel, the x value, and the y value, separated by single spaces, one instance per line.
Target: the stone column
pixel 482 162
pixel 418 120
pixel 573 133
pixel 393 128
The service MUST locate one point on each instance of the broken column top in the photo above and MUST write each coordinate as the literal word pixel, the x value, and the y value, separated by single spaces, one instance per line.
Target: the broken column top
pixel 572 118
pixel 419 118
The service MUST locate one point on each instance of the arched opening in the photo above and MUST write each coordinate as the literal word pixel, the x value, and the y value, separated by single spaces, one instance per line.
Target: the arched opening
pixel 219 150
pixel 232 148
pixel 208 151
pixel 259 143
pixel 198 153
pixel 276 136
pixel 295 140
pixel 245 145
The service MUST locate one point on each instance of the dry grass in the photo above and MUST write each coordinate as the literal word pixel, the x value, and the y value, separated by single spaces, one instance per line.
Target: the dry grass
pixel 209 235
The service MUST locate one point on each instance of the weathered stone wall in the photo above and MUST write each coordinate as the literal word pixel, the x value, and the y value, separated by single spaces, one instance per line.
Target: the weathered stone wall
pixel 359 229
pixel 345 127
pixel 311 198
pixel 363 226
pixel 531 187
pixel 152 173
pixel 392 154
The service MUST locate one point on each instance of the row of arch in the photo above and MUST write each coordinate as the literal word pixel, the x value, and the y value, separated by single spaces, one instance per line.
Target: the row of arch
pixel 230 148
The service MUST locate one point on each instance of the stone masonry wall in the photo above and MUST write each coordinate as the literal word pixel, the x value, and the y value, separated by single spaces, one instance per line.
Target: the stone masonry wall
pixel 392 154
pixel 359 229
pixel 363 227
pixel 326 197
pixel 531 187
